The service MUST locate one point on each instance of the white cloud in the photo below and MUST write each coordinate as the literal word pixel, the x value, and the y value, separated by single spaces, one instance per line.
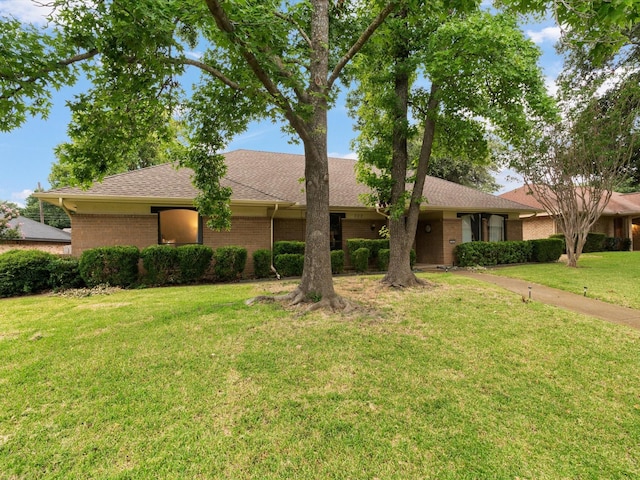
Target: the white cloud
pixel 509 180
pixel 548 33
pixel 193 55
pixel 26 11
pixel 552 86
pixel 350 155
pixel 20 197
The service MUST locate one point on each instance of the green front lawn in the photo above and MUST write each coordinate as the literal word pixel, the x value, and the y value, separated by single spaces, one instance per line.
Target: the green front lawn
pixel 458 381
pixel 613 277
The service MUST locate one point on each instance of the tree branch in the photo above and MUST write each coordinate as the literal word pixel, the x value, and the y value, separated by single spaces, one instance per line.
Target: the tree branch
pixel 302 33
pixel 226 26
pixel 206 68
pixel 355 48
pixel 57 65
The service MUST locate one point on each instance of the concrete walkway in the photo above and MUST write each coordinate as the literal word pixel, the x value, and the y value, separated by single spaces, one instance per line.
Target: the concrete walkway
pixel 569 301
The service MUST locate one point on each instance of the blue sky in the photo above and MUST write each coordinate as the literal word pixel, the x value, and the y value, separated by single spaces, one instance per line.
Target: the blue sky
pixel 26 154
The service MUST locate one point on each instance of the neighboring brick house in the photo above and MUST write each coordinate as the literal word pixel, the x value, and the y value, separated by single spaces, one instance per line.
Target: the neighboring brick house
pixel 155 206
pixel 620 218
pixel 37 236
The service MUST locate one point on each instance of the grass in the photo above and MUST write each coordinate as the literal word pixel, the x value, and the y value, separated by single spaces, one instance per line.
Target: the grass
pixel 458 381
pixel 609 276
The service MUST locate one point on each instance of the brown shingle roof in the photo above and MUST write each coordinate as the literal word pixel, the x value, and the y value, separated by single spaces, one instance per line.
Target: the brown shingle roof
pixel 275 177
pixel 619 204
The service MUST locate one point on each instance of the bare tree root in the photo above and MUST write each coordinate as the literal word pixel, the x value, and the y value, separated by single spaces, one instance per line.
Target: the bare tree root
pixel 407 282
pixel 298 297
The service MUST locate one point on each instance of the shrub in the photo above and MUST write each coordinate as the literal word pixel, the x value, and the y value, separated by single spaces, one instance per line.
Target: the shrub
pixel 193 261
pixel 282 247
pixel 412 257
pixel 24 271
pixel 289 264
pixel 337 261
pixel 492 253
pixel 161 264
pixel 546 249
pixel 116 266
pixel 595 242
pixel 229 262
pixel 617 244
pixel 360 259
pixel 262 263
pixel 64 273
pixel 383 259
pixel 373 245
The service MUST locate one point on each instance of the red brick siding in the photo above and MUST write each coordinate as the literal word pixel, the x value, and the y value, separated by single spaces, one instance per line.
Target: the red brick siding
pixel 90 231
pixel 514 230
pixel 288 229
pixel 538 227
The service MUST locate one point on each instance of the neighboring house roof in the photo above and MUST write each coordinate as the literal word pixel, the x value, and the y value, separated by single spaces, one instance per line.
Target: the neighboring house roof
pixel 33 231
pixel 619 204
pixel 269 177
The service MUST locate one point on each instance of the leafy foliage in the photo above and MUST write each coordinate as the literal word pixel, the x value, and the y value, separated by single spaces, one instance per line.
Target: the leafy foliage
pixel 115 266
pixel 53 216
pixel 161 264
pixel 492 253
pixel 24 272
pixel 546 249
pixel 289 264
pixel 282 247
pixel 229 262
pixel 262 263
pixel 194 261
pixel 337 261
pixel 360 259
pixel 8 212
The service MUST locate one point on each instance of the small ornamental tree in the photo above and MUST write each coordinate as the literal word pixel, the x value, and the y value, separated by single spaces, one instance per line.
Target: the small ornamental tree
pixel 8 212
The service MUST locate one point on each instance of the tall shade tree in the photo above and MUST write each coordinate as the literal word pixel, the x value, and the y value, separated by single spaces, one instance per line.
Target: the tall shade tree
pixel 481 83
pixel 573 166
pixel 260 59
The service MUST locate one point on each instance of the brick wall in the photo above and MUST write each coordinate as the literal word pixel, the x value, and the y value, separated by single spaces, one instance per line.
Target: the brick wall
pixel 515 231
pixel 289 229
pixel 538 227
pixel 90 231
pixel 252 233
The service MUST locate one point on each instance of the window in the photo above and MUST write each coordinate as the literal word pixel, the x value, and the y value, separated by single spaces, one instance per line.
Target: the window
pixel 470 227
pixel 496 228
pixel 178 226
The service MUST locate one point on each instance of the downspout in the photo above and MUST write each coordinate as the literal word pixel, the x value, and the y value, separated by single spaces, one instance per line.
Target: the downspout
pixel 273 269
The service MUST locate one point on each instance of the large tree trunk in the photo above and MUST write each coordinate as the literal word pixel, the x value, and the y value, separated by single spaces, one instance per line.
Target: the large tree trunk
pixel 401 233
pixel 317 281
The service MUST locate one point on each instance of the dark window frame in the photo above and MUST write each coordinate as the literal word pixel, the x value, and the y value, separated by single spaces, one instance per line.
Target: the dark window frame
pixel 158 210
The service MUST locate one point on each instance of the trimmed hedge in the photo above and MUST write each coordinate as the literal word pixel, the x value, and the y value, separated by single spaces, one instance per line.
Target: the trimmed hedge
pixel 161 263
pixel 24 272
pixel 595 242
pixel 546 249
pixel 116 266
pixel 262 263
pixel 383 259
pixel 617 244
pixel 65 273
pixel 373 245
pixel 229 262
pixel 337 261
pixel 193 261
pixel 492 253
pixel 284 247
pixel 289 264
pixel 360 259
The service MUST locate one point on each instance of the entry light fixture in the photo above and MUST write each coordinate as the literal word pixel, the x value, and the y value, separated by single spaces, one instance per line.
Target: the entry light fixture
pixel 427 228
